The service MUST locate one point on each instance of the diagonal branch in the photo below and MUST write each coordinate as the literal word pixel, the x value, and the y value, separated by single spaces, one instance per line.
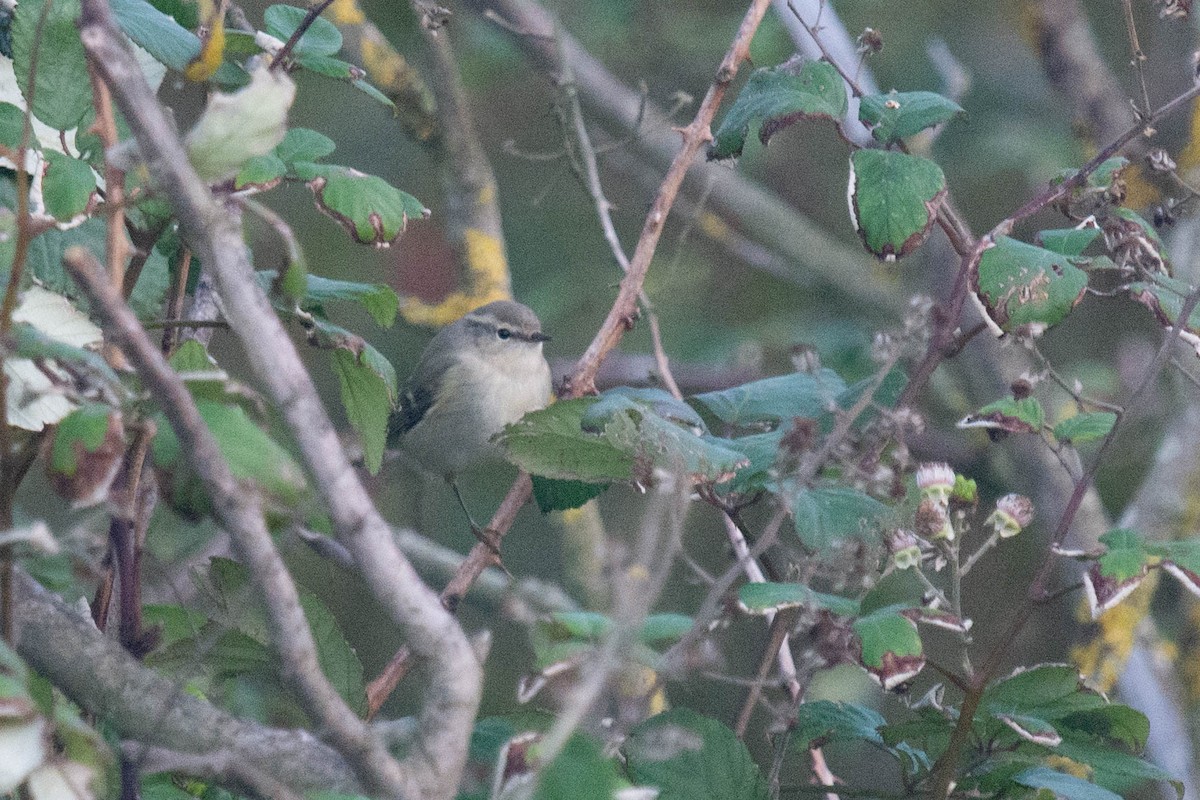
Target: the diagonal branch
pixel 455 675
pixel 623 314
pixel 239 512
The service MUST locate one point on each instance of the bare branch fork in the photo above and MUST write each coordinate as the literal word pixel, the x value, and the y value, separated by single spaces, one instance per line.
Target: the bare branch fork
pixel 434 635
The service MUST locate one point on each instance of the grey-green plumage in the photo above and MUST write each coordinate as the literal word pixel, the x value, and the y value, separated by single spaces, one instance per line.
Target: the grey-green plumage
pixel 476 375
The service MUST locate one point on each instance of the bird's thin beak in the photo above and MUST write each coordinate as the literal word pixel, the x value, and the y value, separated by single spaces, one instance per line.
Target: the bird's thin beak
pixel 538 336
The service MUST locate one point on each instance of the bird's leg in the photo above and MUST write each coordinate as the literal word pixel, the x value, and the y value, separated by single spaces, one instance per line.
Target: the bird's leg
pixel 479 532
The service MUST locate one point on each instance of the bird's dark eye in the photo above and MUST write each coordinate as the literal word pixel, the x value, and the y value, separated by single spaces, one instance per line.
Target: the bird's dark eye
pixel 504 333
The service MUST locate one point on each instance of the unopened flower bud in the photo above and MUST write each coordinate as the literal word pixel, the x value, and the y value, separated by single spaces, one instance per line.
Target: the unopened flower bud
pixel 1013 512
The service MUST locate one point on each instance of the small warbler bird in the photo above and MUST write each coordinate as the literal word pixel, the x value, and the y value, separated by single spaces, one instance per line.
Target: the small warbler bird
pixel 475 376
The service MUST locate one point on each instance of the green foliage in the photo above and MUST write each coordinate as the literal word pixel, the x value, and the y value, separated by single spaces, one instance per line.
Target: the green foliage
pixel 894 200
pixel 579 771
pixel 776 98
pixel 1023 285
pixel 691 757
pixel 321 39
pixel 251 453
pixel 1068 241
pixel 825 516
pixel 898 115
pixel 1008 415
pixel 67 186
pixel 1085 427
pixel 772 401
pixel 62 94
pixel 370 209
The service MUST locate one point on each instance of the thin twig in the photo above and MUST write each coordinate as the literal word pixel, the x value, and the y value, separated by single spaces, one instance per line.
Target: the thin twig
pixel 621 316
pixel 1139 58
pixel 301 29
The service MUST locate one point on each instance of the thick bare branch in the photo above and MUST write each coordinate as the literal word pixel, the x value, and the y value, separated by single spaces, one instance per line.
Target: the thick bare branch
pixel 143 705
pixel 454 672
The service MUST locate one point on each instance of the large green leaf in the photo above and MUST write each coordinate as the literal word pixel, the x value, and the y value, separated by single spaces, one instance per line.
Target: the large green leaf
pixel 378 300
pixel 63 93
pixel 551 443
pixel 613 438
pixel 772 401
pixel 894 200
pixel 579 772
pixel 368 386
pixel 898 115
pixel 691 757
pixel 779 97
pixel 891 647
pixel 1022 285
pixel 821 722
pixel 337 658
pixel 370 209
pixel 561 495
pixel 825 516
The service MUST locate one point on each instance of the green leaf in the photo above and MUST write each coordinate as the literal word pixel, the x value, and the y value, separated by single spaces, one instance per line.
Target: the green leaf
pixel 1049 690
pixel 1165 298
pixel 691 757
pixel 1114 769
pixel 651 440
pixel 166 40
pixel 563 495
pixel 1068 241
pixel 1008 415
pixel 898 115
pixel 1063 786
pixel 1023 285
pixel 251 453
pixel 67 186
pixel 63 93
pixel 367 398
pixel 891 647
pixel 331 67
pixel 894 200
pixel 766 597
pixel 665 628
pixel 626 398
pixel 303 145
pixel 370 209
pixel 625 442
pixel 822 722
pixel 12 128
pixel 378 300
pixel 551 442
pixel 261 172
pixel 1125 556
pixel 779 97
pixel 322 37
pixel 774 400
pixel 1085 427
pixel 79 433
pixel 825 516
pixel 368 386
pixel 760 451
pixel 338 660
pixel 579 772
